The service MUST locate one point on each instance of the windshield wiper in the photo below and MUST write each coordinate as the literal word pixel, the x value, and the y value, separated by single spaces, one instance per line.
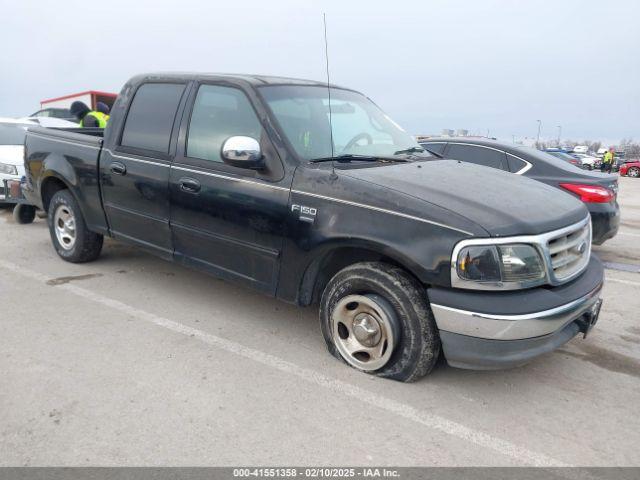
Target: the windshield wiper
pixel 410 150
pixel 348 157
pixel 418 150
pixel 435 154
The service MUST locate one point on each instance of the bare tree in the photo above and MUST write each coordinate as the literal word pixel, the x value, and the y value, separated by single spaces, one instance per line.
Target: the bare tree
pixel 631 149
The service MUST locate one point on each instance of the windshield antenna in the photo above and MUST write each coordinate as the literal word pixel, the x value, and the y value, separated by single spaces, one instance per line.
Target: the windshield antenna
pixel 326 56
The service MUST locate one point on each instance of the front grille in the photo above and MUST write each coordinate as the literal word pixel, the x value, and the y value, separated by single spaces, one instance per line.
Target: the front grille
pixel 569 252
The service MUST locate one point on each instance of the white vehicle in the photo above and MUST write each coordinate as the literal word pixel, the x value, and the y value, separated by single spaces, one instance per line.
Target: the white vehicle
pixel 49 122
pixel 588 161
pixel 12 133
pixel 580 149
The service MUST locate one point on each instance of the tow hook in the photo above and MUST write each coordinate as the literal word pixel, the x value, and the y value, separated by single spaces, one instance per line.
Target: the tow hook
pixel 589 318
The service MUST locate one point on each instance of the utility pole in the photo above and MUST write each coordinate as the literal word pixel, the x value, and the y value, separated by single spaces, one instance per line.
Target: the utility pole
pixel 539 127
pixel 559 133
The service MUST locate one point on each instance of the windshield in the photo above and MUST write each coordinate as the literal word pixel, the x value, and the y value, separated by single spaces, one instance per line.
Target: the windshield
pixel 12 133
pixel 359 126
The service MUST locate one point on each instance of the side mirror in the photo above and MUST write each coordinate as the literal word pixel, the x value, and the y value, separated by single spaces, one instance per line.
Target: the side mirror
pixel 242 152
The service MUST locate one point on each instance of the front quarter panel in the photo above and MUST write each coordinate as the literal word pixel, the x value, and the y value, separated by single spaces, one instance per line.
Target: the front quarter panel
pixel 328 211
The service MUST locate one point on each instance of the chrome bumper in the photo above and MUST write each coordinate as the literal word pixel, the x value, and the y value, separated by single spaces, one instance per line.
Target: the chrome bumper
pixel 501 329
pixel 512 327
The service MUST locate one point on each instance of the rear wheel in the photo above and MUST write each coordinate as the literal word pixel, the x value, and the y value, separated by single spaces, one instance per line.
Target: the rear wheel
pixel 633 172
pixel 71 238
pixel 376 318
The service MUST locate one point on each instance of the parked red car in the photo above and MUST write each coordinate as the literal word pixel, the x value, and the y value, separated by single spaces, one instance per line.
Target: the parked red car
pixel 631 169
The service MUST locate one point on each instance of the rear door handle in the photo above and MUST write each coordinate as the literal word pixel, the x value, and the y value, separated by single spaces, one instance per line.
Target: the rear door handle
pixel 189 185
pixel 118 168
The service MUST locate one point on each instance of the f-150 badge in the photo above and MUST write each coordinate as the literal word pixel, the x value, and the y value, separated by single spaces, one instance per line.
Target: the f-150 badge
pixel 307 214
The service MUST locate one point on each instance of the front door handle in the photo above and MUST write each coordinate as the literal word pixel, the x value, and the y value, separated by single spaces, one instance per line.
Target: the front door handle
pixel 118 168
pixel 189 185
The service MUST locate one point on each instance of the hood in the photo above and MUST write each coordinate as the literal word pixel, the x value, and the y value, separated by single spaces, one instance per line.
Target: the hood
pixel 12 154
pixel 500 202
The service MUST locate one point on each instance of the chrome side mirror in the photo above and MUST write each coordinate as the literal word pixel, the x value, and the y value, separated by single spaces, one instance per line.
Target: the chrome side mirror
pixel 242 152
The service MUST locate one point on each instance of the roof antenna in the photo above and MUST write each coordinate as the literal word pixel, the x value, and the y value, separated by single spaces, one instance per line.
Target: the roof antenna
pixel 326 56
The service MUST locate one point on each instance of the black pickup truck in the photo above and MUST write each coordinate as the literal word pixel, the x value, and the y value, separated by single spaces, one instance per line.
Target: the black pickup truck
pixel 318 198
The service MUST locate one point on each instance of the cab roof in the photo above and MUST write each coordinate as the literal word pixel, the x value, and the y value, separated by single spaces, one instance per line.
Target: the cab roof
pixel 254 80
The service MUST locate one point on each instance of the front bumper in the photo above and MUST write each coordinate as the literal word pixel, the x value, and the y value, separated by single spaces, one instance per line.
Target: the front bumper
pixel 507 329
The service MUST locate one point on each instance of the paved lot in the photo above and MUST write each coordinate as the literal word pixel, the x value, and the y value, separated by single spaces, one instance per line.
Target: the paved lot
pixel 135 361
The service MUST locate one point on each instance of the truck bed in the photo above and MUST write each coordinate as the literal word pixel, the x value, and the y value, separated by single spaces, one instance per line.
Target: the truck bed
pixel 76 153
pixel 76 134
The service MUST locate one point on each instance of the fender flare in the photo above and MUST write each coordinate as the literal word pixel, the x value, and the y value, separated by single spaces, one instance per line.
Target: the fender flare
pixel 307 288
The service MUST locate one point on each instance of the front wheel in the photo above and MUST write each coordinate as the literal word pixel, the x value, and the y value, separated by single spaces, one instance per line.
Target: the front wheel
pixel 376 318
pixel 71 238
pixel 633 172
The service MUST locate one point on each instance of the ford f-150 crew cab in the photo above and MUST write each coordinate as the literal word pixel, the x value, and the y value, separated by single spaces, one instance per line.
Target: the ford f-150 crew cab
pixel 313 195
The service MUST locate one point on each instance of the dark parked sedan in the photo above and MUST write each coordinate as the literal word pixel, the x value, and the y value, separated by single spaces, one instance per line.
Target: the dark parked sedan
pixel 597 190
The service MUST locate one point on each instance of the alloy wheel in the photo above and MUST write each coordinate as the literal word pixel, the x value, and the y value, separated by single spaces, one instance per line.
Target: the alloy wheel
pixel 64 223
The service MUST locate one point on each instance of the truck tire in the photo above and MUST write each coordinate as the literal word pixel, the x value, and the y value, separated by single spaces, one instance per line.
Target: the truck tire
pixel 24 214
pixel 71 238
pixel 376 318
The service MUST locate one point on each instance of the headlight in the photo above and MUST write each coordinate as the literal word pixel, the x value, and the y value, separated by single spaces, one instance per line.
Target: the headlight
pixel 8 169
pixel 506 266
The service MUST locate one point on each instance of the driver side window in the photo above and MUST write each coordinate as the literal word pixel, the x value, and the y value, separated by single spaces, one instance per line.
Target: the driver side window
pixel 219 113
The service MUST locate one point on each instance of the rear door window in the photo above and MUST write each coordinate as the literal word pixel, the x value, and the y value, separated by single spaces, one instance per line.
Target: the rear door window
pixel 477 154
pixel 151 116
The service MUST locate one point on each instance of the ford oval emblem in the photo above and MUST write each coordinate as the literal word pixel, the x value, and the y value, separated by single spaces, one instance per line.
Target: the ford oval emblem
pixel 582 247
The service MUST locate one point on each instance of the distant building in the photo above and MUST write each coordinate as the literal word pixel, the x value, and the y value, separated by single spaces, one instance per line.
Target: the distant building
pixel 90 98
pixel 446 132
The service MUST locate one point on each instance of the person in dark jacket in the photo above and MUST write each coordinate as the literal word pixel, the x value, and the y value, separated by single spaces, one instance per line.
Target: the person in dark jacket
pixel 103 108
pixel 88 117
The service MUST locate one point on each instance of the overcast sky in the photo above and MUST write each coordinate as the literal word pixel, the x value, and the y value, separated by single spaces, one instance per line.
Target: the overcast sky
pixel 475 64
